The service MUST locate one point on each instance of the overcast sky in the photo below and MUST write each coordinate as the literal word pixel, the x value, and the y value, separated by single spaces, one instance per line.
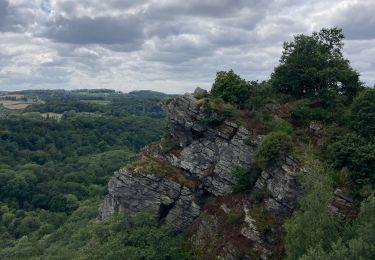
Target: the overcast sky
pixel 166 45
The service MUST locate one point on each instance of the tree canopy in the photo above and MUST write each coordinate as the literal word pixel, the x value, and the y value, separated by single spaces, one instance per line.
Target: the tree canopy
pixel 314 65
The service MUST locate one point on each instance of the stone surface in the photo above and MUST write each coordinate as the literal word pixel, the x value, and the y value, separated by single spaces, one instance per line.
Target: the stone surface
pixel 281 181
pixel 132 193
pixel 342 205
pixel 209 153
pixel 200 93
pixel 250 231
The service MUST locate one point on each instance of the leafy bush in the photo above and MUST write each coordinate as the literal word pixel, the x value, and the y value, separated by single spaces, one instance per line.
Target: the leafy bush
pixel 357 154
pixel 230 87
pixel 282 126
pixel 218 106
pixel 305 110
pixel 273 146
pixel 245 179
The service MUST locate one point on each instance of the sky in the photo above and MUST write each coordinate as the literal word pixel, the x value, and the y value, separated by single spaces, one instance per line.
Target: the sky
pixel 171 46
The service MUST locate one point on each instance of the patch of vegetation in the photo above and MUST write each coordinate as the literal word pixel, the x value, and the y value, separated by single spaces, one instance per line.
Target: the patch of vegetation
pixel 234 218
pixel 245 179
pixel 362 114
pixel 274 146
pixel 168 144
pixel 357 154
pixel 263 222
pixel 280 125
pixel 312 224
pixel 357 241
pixel 230 87
pixel 82 237
pixel 147 165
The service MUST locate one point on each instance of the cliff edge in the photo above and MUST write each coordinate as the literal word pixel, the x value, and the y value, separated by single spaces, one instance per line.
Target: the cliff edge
pixel 187 180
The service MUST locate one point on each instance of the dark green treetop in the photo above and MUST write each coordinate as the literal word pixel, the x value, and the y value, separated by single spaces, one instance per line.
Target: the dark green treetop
pixel 313 65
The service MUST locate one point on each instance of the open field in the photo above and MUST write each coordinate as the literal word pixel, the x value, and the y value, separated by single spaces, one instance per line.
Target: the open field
pixel 10 104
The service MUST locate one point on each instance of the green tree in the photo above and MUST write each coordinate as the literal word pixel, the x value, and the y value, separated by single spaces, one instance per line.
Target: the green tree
pixel 357 154
pixel 312 224
pixel 357 241
pixel 314 66
pixel 231 87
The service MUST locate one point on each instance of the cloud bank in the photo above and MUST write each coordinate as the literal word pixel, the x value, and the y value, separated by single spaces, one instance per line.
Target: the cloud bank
pixel 165 45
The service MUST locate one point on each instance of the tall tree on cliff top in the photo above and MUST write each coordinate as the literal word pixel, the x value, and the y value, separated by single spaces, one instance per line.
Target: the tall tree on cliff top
pixel 314 66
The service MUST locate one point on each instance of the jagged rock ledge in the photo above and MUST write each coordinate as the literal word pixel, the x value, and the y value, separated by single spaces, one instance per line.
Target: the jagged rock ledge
pixel 132 193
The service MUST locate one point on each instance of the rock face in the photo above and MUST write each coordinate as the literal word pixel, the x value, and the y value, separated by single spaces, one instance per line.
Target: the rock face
pixel 209 153
pixel 343 205
pixel 281 182
pixel 251 232
pixel 132 193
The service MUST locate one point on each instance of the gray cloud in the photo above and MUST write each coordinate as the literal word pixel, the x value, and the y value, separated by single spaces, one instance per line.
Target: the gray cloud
pixel 168 45
pixel 126 31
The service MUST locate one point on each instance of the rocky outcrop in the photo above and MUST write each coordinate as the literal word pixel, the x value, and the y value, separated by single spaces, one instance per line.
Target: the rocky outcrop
pixel 206 153
pixel 209 153
pixel 343 205
pixel 251 232
pixel 132 193
pixel 281 181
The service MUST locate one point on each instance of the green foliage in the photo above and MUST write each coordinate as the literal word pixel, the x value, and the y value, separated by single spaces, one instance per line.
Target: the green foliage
pixel 134 238
pixel 357 154
pixel 147 165
pixel 217 110
pixel 327 109
pixel 49 169
pixel 245 179
pixel 262 219
pixel 314 65
pixel 230 87
pixel 82 237
pixel 234 218
pixel 273 146
pixel 219 107
pixel 357 241
pixel 362 113
pixel 312 224
pixel 280 125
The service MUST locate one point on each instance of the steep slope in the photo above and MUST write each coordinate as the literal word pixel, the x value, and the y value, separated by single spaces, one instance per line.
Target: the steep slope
pixel 195 165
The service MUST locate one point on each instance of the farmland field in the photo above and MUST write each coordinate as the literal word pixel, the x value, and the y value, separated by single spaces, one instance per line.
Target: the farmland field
pixel 10 104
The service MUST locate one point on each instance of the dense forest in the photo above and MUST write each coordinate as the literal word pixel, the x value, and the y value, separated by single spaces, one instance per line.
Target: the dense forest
pixel 54 170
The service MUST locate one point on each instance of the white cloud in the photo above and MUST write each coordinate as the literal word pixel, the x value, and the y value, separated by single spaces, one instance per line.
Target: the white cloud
pixel 166 45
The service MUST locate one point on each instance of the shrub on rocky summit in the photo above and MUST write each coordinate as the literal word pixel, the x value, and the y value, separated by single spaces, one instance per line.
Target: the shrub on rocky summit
pixel 273 147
